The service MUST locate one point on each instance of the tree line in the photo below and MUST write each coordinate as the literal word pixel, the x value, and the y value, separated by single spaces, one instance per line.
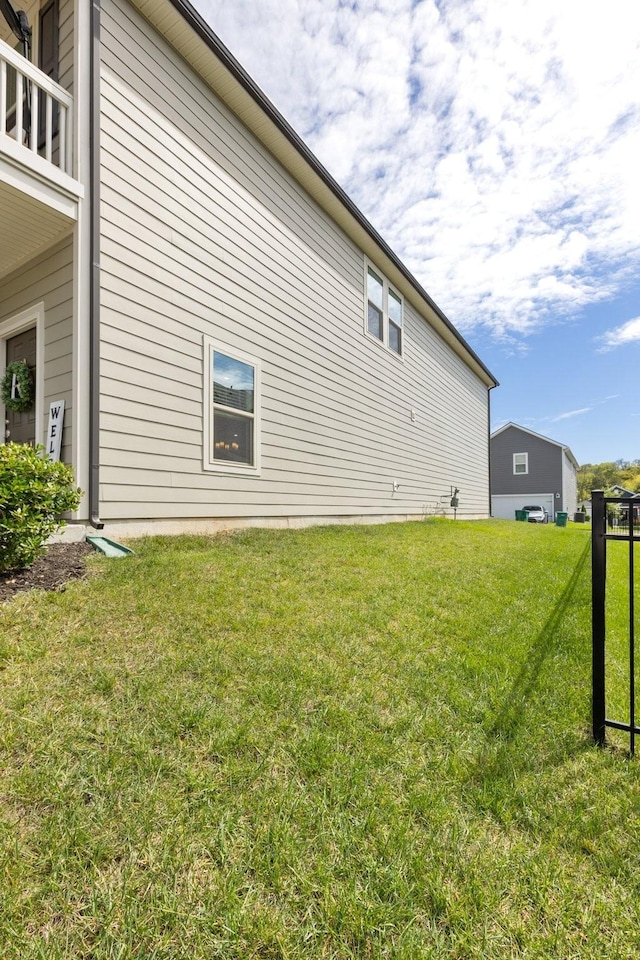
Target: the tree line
pixel 603 476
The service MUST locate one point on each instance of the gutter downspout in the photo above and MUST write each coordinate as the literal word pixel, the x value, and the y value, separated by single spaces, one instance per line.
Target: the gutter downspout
pixel 94 280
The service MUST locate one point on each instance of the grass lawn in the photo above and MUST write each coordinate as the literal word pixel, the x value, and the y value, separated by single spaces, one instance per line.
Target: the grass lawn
pixel 617 665
pixel 347 742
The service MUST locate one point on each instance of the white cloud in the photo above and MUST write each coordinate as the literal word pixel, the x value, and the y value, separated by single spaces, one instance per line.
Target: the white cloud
pixel 576 413
pixel 571 413
pixel 492 143
pixel 628 332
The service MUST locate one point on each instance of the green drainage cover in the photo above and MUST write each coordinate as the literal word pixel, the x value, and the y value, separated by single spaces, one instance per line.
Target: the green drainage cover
pixel 109 547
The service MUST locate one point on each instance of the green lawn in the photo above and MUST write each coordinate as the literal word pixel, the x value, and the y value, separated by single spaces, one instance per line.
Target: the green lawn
pixel 347 742
pixel 617 666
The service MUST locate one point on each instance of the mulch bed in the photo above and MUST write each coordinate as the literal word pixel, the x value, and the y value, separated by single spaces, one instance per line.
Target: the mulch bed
pixel 61 563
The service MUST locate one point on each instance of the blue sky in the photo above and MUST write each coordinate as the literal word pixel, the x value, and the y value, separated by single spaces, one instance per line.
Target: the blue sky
pixel 495 145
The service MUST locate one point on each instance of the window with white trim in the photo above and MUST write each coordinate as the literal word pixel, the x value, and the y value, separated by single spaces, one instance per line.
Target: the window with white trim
pixel 232 384
pixel 521 463
pixel 385 311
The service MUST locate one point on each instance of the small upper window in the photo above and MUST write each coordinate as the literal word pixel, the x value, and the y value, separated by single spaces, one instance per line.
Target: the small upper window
pixel 385 309
pixel 521 463
pixel 375 298
pixel 395 322
pixel 232 408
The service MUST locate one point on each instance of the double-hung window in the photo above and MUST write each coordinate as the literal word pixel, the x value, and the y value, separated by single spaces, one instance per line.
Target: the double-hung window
pixel 385 311
pixel 232 384
pixel 521 463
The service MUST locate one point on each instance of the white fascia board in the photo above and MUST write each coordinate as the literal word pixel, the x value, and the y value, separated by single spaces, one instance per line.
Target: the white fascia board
pixel 59 192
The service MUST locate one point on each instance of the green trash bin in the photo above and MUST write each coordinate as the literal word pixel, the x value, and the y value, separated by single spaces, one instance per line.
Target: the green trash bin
pixel 522 515
pixel 561 518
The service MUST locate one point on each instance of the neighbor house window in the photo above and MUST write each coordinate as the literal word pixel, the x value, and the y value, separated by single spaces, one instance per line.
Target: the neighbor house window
pixel 521 463
pixel 231 415
pixel 385 311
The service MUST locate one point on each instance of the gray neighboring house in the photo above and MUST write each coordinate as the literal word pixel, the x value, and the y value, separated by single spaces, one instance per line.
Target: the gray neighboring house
pixel 527 468
pixel 618 491
pixel 233 341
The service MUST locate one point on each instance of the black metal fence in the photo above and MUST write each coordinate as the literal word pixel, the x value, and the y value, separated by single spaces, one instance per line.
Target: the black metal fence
pixel 612 518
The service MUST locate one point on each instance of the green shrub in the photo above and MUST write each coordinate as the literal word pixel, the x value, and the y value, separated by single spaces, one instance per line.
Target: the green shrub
pixel 34 491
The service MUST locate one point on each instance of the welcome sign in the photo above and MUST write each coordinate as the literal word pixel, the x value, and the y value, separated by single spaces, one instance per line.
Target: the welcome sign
pixel 54 433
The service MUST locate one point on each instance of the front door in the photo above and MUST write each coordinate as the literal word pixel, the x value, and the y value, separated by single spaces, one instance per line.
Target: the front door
pixel 21 427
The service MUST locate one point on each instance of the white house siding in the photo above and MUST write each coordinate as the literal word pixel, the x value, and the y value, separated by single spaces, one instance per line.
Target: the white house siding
pixel 569 485
pixel 204 234
pixel 48 279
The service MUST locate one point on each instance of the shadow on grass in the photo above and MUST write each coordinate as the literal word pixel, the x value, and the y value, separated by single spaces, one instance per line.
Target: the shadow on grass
pixel 497 756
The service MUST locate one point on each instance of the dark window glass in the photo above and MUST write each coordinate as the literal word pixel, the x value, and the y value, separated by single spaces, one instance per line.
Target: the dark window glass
pixel 374 321
pixel 232 437
pixel 395 338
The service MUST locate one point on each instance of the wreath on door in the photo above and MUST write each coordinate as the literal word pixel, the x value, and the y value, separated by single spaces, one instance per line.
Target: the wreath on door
pixel 17 387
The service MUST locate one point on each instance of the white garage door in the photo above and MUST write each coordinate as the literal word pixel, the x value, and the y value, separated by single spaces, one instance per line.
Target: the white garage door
pixel 505 505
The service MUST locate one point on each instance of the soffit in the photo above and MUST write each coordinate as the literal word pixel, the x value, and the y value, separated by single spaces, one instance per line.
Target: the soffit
pixel 27 226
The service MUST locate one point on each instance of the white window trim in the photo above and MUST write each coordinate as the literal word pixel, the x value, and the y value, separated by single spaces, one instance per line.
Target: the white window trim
pixel 521 473
pixel 208 463
pixel 32 317
pixel 385 311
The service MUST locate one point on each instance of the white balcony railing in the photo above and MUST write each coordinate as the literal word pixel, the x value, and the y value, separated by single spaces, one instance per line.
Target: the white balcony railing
pixel 36 113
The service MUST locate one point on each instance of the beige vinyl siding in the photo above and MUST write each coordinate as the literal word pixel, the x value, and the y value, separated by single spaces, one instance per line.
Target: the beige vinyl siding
pixel 48 279
pixel 203 233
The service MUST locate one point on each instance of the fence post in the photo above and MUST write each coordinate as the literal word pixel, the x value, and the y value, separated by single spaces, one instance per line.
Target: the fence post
pixel 598 580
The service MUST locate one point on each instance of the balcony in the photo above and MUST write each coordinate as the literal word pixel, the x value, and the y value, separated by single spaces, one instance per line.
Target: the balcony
pixel 39 193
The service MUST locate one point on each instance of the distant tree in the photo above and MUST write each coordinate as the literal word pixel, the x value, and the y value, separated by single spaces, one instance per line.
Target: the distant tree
pixel 603 476
pixel 585 482
pixel 634 482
